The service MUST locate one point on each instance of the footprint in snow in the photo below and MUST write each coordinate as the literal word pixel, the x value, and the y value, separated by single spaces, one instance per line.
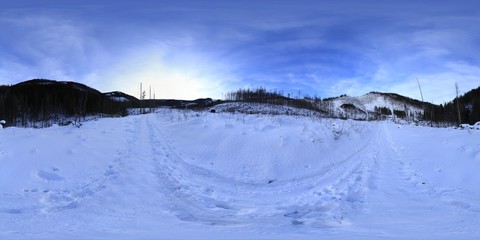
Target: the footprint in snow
pixel 12 211
pixel 58 201
pixel 49 176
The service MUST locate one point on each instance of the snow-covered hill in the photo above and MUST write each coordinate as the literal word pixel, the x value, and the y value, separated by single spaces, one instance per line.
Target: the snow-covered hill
pixel 120 96
pixel 357 107
pixel 198 175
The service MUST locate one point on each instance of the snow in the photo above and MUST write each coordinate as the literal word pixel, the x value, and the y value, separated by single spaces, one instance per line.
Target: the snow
pixel 475 126
pixel 178 174
pixel 372 100
pixel 119 99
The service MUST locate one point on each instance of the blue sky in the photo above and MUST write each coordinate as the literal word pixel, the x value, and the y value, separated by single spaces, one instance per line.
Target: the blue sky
pixel 192 49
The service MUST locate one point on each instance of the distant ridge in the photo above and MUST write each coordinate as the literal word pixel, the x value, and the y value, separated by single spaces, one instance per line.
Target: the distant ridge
pixel 38 82
pixel 42 102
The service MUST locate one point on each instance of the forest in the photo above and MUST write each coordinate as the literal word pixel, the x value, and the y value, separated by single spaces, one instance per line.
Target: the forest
pixel 464 109
pixel 41 102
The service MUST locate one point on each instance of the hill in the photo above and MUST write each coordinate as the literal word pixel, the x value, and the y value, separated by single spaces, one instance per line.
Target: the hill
pixel 46 102
pixel 373 106
pixel 376 105
pixel 121 97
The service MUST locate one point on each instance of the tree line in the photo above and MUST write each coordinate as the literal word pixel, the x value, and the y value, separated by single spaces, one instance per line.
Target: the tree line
pixel 465 107
pixel 261 95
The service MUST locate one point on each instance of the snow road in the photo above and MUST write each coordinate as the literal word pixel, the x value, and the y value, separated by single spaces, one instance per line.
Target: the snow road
pixel 183 175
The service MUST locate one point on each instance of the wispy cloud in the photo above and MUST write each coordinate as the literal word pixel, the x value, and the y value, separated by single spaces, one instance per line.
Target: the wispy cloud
pixel 46 46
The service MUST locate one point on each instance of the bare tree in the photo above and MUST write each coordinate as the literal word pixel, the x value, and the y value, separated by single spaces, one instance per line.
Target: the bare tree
pixel 420 88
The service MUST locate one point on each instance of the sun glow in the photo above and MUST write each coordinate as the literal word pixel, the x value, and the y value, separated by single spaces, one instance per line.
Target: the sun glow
pixel 167 76
pixel 170 83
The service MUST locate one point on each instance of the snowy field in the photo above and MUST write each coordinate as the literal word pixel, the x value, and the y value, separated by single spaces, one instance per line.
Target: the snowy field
pixel 186 175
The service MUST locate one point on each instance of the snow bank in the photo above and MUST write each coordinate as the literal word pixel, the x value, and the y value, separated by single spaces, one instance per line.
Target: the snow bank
pixel 475 126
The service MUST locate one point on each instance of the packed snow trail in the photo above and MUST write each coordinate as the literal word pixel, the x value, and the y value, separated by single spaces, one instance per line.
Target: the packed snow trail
pixel 401 197
pixel 179 174
pixel 203 195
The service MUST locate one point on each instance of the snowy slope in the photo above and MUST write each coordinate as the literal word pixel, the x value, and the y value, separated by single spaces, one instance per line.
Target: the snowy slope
pixel 369 101
pixel 263 108
pixel 120 96
pixel 189 175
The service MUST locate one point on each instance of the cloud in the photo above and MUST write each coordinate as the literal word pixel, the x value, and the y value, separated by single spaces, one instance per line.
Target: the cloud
pixel 47 46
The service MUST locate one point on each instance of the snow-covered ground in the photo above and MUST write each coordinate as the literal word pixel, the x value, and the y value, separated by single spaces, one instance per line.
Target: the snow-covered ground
pixel 186 175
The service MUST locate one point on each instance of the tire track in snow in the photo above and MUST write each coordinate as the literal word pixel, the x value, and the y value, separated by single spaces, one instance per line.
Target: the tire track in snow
pixel 423 185
pixel 401 200
pixel 198 195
